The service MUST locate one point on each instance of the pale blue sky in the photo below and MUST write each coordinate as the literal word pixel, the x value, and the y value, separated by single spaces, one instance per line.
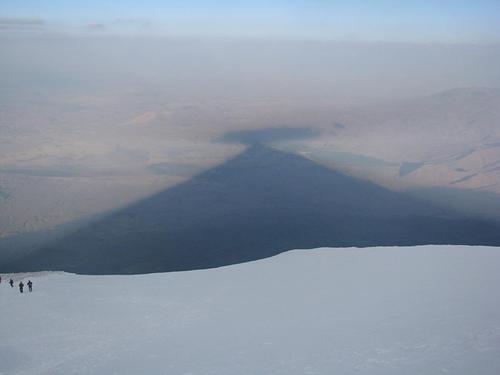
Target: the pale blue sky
pixel 424 21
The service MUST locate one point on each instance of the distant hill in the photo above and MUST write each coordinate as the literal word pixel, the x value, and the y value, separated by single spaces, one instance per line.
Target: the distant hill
pixel 260 203
pixel 449 139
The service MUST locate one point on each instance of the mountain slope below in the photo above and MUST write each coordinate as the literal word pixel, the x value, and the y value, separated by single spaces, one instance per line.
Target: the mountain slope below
pixel 378 311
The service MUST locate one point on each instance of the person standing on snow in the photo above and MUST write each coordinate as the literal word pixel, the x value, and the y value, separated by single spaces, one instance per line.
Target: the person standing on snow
pixel 30 286
pixel 11 282
pixel 21 287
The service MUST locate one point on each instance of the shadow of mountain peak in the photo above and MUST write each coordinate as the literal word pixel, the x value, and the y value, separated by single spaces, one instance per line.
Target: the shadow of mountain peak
pixel 258 204
pixel 269 135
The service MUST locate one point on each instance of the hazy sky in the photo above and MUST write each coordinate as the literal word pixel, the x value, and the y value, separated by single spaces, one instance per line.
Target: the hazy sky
pixel 386 20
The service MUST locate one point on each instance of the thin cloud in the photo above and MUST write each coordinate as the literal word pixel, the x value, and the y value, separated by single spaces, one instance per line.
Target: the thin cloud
pixel 94 26
pixel 22 24
pixel 133 22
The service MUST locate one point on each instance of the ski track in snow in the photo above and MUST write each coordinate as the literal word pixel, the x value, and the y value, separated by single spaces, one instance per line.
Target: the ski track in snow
pixel 420 310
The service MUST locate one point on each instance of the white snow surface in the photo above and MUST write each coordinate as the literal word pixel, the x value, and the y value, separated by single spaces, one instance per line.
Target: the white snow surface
pixel 388 310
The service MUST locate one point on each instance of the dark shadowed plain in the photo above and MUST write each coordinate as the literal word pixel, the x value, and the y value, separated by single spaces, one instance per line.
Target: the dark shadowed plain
pixel 258 204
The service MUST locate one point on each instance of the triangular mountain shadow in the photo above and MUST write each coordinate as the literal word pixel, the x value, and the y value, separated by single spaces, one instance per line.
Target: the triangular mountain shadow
pixel 258 204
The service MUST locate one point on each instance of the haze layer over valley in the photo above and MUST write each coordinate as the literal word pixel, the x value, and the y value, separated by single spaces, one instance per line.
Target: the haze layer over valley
pixel 89 125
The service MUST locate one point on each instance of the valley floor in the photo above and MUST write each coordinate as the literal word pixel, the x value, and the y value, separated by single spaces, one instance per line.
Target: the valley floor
pixel 421 310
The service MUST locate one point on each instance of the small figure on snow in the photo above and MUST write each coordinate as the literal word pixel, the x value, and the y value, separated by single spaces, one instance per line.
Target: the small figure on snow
pixel 21 286
pixel 11 282
pixel 30 286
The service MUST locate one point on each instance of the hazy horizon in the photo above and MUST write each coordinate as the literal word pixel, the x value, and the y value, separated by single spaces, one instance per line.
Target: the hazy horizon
pixel 350 73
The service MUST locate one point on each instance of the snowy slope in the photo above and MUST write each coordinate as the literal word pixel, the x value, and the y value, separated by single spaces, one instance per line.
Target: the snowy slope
pixel 423 310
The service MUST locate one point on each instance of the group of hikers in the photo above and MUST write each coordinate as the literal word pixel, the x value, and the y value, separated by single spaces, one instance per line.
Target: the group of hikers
pixel 21 285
